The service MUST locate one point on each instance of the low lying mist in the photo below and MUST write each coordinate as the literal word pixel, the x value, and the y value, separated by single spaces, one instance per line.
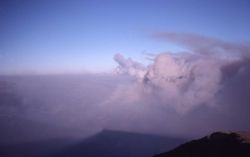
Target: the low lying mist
pixel 182 94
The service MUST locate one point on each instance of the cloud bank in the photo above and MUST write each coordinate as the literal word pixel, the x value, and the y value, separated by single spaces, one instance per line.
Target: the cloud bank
pixel 182 94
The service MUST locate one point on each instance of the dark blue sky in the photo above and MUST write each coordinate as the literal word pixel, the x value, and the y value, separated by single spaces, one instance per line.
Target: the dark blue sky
pixel 49 36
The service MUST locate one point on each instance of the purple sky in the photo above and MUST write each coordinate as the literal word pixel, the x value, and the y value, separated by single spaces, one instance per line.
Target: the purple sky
pixel 59 36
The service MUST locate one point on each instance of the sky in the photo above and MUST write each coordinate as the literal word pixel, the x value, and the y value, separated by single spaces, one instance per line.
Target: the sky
pixel 59 36
pixel 157 67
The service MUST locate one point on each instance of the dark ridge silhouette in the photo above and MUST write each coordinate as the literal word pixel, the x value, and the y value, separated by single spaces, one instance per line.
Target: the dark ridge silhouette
pixel 218 144
pixel 107 143
pixel 110 143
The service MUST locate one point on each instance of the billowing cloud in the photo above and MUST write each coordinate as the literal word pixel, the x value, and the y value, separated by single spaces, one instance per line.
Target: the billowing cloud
pixel 128 66
pixel 182 81
pixel 185 81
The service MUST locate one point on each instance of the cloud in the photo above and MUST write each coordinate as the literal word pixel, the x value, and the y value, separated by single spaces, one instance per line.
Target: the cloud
pixel 181 81
pixel 200 91
pixel 202 77
pixel 202 44
pixel 184 81
pixel 128 66
pixel 181 94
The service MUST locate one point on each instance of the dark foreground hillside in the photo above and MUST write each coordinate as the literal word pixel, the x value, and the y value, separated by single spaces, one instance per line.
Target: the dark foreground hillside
pixel 217 144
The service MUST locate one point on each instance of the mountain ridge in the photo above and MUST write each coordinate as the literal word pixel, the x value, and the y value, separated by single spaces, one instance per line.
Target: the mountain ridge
pixel 113 143
pixel 110 143
pixel 217 144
